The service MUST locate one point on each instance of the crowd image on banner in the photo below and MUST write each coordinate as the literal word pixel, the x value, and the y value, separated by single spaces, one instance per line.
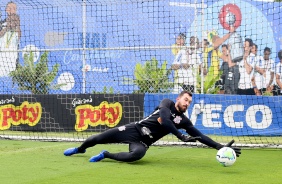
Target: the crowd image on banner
pixel 97 57
pixel 238 64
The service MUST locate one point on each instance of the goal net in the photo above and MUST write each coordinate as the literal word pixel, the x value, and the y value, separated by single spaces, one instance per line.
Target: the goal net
pixel 70 69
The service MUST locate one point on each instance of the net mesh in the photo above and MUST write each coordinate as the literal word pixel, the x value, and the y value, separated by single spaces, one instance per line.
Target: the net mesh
pixel 117 50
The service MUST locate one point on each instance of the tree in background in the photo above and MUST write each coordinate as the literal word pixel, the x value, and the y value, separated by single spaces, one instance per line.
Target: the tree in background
pixel 151 78
pixel 209 83
pixel 35 78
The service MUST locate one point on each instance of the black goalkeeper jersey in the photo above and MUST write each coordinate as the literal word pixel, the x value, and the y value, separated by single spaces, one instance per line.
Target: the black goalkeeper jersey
pixel 166 119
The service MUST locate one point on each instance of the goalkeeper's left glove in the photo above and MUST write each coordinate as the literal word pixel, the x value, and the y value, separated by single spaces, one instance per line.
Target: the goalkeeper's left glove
pixel 236 149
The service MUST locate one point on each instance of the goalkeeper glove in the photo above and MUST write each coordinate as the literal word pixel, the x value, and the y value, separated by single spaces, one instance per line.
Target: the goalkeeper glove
pixel 186 138
pixel 236 149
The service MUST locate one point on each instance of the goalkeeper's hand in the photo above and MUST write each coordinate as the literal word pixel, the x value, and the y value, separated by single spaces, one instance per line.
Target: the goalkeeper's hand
pixel 236 149
pixel 186 138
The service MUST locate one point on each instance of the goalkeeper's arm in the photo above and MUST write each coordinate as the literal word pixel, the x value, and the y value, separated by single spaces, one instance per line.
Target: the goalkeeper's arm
pixel 167 123
pixel 209 142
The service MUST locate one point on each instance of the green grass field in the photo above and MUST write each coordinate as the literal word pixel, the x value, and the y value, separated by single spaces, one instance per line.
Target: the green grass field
pixel 33 162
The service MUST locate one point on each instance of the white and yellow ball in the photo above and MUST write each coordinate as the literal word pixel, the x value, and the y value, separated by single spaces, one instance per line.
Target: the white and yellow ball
pixel 226 156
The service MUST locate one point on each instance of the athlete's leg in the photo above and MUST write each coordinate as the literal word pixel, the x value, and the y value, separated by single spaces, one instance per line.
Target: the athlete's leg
pixel 123 134
pixel 137 150
pixel 109 136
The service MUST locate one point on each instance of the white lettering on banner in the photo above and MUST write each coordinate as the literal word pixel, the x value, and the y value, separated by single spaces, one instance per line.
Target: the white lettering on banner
pixel 197 109
pixel 210 117
pixel 266 116
pixel 194 115
pixel 228 116
pixel 6 101
pixel 100 69
pixel 78 101
pixel 74 56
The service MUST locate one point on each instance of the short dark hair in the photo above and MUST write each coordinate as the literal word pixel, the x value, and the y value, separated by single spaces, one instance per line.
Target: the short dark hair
pixel 280 54
pixel 194 39
pixel 267 49
pixel 182 35
pixel 224 45
pixel 250 41
pixel 185 92
pixel 206 40
pixel 256 46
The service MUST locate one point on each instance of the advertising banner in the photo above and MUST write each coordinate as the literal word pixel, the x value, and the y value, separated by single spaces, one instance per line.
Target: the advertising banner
pixel 84 37
pixel 229 114
pixel 68 113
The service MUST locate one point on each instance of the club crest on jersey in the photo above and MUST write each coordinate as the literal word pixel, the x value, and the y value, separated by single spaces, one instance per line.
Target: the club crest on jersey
pixel 177 119
pixel 122 128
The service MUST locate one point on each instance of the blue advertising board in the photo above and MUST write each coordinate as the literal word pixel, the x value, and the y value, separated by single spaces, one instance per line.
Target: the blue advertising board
pixel 68 27
pixel 229 115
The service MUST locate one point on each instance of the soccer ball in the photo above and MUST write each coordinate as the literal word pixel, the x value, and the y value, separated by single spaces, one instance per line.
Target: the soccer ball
pixel 226 156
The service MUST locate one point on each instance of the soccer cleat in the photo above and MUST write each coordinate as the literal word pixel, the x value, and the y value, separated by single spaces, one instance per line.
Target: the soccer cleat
pixel 72 151
pixel 98 157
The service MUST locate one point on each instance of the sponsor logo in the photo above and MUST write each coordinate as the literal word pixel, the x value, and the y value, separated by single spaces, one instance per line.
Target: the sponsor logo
pixel 212 114
pixel 26 113
pixel 104 114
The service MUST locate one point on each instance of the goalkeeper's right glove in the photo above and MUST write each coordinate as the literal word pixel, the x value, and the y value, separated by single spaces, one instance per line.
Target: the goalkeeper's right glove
pixel 186 138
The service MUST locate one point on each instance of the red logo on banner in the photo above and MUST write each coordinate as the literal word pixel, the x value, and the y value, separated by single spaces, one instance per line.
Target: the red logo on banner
pixel 104 114
pixel 26 113
pixel 230 14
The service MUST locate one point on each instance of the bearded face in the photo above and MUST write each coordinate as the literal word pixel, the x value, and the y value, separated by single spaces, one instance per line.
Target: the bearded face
pixel 183 103
pixel 182 108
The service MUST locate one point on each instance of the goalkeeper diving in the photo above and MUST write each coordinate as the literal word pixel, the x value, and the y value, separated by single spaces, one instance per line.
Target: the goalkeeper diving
pixel 167 118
